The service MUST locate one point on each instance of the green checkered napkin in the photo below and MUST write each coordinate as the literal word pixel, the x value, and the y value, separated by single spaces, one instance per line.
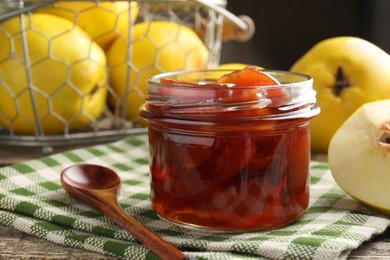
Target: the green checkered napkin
pixel 33 201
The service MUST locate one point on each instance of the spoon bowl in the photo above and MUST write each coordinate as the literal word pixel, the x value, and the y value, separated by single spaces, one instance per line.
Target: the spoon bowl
pixel 99 187
pixel 88 176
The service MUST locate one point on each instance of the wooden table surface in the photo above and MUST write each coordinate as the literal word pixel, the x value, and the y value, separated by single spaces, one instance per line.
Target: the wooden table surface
pixel 18 245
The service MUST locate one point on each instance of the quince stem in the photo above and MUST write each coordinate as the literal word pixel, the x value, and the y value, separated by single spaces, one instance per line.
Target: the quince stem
pixel 341 82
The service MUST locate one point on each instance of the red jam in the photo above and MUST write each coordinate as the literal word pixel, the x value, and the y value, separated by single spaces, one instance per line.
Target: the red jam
pixel 230 153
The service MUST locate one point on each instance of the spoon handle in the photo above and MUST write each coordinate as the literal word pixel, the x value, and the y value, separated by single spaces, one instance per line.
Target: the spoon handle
pixel 148 238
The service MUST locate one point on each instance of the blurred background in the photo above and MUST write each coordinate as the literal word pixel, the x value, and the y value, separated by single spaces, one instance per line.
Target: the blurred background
pixel 286 29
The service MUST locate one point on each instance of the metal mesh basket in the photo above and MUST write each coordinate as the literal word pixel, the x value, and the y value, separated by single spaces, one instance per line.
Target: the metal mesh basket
pixel 47 93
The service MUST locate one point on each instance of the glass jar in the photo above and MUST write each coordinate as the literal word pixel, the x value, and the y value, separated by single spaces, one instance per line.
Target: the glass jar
pixel 220 161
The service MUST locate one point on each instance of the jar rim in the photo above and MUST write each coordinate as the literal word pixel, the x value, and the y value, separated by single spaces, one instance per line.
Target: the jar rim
pixel 166 75
pixel 195 94
pixel 200 87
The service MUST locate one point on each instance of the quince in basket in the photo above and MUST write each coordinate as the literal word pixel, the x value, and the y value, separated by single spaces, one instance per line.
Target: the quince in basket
pixel 158 46
pixel 65 67
pixel 102 21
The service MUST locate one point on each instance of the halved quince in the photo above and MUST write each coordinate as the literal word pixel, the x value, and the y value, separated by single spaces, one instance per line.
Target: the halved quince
pixel 359 155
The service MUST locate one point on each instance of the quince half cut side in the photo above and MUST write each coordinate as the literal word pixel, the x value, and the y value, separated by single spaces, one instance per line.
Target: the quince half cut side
pixel 359 155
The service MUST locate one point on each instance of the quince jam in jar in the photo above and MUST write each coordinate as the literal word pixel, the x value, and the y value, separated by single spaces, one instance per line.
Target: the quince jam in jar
pixel 229 150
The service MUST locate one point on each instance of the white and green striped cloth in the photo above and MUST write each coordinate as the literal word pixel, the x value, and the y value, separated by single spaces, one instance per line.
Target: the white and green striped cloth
pixel 32 200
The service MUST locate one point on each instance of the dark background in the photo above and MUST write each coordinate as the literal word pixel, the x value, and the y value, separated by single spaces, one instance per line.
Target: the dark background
pixel 286 29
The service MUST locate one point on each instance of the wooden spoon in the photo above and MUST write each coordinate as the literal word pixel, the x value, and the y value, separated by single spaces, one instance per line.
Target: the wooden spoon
pixel 98 187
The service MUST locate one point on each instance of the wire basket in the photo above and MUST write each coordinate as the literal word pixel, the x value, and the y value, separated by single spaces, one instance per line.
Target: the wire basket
pixel 56 90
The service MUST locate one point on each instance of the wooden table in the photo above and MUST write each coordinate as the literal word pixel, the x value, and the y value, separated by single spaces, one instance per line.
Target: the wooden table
pixel 18 245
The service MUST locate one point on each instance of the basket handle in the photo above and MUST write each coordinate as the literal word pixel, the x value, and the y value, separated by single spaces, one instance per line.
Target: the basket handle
pixel 239 28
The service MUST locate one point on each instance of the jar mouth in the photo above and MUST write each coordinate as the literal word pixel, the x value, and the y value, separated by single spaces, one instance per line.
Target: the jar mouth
pixel 198 91
pixel 286 78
